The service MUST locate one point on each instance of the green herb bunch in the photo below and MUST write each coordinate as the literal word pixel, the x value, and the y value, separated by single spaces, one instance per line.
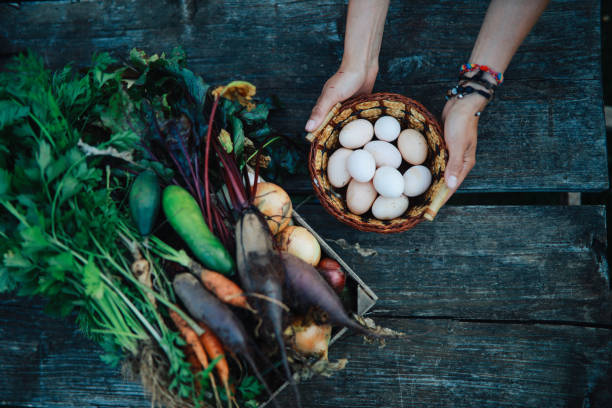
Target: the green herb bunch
pixel 70 142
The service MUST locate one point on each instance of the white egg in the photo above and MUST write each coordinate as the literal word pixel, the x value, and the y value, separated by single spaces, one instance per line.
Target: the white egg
pixel 385 208
pixel 360 196
pixel 337 173
pixel 389 182
pixel 361 165
pixel 385 154
pixel 355 134
pixel 387 128
pixel 413 146
pixel 417 180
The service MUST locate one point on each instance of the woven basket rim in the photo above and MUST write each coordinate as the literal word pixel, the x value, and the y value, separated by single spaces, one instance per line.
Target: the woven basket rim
pixel 406 222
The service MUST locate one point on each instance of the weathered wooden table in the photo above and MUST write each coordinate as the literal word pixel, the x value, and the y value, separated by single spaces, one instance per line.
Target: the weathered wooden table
pixel 507 305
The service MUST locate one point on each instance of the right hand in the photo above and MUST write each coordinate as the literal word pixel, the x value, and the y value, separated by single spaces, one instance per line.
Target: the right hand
pixel 342 85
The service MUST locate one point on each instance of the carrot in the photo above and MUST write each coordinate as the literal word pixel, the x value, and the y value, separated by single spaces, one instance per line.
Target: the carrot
pixel 309 288
pixel 205 307
pixel 261 272
pixel 226 290
pixel 193 340
pixel 214 349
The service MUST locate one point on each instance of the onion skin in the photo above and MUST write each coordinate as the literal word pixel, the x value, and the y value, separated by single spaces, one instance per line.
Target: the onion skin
pixel 298 241
pixel 274 203
pixel 333 274
pixel 308 338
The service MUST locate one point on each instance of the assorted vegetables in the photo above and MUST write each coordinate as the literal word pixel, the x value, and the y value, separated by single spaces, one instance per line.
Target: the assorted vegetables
pixel 86 161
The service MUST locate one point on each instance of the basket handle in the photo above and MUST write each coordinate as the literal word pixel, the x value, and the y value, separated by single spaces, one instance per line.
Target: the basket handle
pixel 436 202
pixel 333 112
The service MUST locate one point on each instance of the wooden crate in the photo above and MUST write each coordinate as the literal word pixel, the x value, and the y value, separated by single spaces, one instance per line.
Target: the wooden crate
pixel 365 296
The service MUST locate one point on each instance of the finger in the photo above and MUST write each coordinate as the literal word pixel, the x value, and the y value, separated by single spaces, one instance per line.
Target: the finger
pixel 324 104
pixel 468 164
pixel 454 167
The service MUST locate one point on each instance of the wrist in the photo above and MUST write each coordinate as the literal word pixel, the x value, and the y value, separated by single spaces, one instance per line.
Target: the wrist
pixel 359 64
pixel 470 104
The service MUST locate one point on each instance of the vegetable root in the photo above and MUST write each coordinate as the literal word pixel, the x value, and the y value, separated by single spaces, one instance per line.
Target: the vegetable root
pixel 214 348
pixel 261 271
pixel 205 307
pixel 192 339
pixel 310 289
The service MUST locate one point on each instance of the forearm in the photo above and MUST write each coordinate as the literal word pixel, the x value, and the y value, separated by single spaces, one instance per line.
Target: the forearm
pixel 365 23
pixel 506 25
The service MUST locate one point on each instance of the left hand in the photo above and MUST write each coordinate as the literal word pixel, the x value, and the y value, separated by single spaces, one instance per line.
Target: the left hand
pixel 460 134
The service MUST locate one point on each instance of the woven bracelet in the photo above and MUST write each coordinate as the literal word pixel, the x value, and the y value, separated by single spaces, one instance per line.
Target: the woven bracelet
pixel 479 79
pixel 498 76
pixel 460 91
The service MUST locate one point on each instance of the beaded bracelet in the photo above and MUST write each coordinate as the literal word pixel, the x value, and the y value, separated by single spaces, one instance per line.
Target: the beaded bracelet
pixel 498 76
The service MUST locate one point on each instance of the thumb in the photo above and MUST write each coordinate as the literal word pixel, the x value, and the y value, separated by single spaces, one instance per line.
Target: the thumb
pixel 324 104
pixel 453 168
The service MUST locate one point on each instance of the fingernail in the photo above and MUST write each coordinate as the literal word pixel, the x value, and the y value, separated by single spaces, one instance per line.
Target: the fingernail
pixel 310 125
pixel 451 182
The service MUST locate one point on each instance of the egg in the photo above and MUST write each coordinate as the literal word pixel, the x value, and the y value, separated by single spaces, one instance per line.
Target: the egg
pixel 385 154
pixel 337 173
pixel 361 165
pixel 355 134
pixel 417 180
pixel 385 208
pixel 360 196
pixel 388 182
pixel 413 146
pixel 387 128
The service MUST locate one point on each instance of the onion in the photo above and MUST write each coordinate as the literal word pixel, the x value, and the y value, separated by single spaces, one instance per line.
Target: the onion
pixel 333 274
pixel 298 241
pixel 274 203
pixel 308 338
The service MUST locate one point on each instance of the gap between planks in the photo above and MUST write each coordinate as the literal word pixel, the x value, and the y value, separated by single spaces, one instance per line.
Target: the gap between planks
pixel 528 322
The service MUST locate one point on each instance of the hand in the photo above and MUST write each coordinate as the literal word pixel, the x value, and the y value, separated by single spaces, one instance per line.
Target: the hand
pixel 460 134
pixel 342 85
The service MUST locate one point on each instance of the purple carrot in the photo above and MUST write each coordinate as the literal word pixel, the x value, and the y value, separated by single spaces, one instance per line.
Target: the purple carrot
pixel 204 306
pixel 309 288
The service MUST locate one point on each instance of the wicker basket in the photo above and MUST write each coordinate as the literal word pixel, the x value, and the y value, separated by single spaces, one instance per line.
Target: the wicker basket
pixel 411 114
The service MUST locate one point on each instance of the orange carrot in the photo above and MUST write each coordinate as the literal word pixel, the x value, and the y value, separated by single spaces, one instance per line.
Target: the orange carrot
pixel 226 290
pixel 214 348
pixel 190 336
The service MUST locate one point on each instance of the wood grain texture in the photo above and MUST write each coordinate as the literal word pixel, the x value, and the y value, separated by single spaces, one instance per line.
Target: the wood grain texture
pixel 507 263
pixel 444 363
pixel 545 131
pixel 47 362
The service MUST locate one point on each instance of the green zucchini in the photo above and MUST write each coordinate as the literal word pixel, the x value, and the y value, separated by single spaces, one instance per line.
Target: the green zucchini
pixel 144 201
pixel 185 216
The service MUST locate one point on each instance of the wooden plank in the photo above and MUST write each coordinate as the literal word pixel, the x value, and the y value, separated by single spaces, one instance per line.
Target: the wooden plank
pixel 547 123
pixel 444 363
pixel 47 362
pixel 510 262
pixel 448 363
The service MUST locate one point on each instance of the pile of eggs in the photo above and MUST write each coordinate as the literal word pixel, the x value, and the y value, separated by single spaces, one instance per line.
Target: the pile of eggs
pixel 370 168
